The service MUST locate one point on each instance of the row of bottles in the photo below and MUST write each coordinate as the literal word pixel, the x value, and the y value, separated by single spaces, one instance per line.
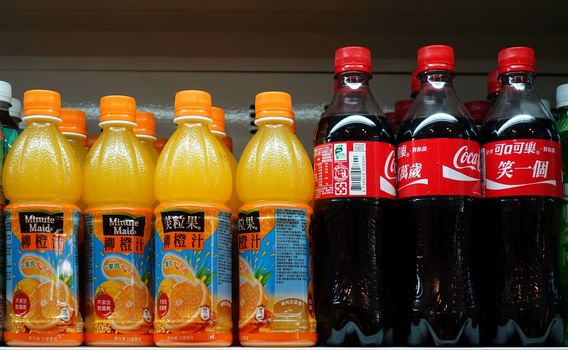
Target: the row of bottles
pixel 164 281
pixel 438 274
pixel 124 245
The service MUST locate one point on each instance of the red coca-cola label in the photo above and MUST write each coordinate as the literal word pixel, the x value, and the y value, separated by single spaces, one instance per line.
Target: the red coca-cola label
pixel 524 167
pixel 438 167
pixel 355 169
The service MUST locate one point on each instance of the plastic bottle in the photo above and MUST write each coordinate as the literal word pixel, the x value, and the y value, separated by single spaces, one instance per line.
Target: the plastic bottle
pixel 16 111
pixel 74 127
pixel 493 85
pixel 145 131
pixel 42 180
pixel 414 83
pixel 438 186
pixel 11 128
pixel 400 109
pixel 193 183
pixel 118 192
pixel 562 110
pixel 217 127
pixel 521 156
pixel 355 192
pixel 275 183
pixel 478 110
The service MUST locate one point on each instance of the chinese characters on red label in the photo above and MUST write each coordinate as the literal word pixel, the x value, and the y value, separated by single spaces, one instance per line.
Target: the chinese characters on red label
pixel 524 167
pixel 355 169
pixel 441 166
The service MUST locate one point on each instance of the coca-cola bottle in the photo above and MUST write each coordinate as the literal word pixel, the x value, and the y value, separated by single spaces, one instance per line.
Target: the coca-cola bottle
pixel 355 198
pixel 493 85
pixel 522 185
pixel 438 187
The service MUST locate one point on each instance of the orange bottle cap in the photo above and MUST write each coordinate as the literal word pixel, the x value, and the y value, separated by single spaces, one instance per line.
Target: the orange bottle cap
pixel 42 102
pixel 118 108
pixel 274 104
pixel 146 124
pixel 218 117
pixel 193 103
pixel 73 120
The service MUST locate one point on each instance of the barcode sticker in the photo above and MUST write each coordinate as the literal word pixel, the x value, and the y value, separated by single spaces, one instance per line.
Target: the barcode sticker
pixel 357 174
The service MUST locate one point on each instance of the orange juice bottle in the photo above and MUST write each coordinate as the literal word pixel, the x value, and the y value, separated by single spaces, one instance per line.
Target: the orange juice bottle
pixel 193 241
pixel 42 180
pixel 275 182
pixel 145 130
pixel 91 139
pixel 217 127
pixel 74 127
pixel 118 191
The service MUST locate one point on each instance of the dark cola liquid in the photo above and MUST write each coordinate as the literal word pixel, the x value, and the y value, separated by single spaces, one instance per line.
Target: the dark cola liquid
pixel 437 304
pixel 352 236
pixel 521 263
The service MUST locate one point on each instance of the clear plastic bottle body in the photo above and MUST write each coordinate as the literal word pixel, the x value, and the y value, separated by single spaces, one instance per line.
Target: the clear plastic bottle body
pixel 438 302
pixel 522 232
pixel 353 235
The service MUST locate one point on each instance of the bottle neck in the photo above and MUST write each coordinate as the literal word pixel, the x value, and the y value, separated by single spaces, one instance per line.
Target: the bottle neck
pixel 144 137
pixel 193 119
pixel 219 134
pixel 521 81
pixel 75 136
pixel 273 122
pixel 353 95
pixel 5 106
pixel 34 120
pixel 436 78
pixel 117 125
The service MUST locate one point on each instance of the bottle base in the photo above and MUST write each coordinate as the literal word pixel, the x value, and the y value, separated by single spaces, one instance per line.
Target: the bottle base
pixel 350 330
pixel 423 333
pixel 279 339
pixel 43 340
pixel 553 335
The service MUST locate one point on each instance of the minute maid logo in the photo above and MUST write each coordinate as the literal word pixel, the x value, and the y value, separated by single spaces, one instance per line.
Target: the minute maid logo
pixel 340 151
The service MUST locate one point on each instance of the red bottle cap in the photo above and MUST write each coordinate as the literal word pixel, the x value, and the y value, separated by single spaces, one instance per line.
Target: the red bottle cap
pixel 414 82
pixel 516 59
pixel 352 58
pixel 478 110
pixel 435 57
pixel 493 84
pixel 401 107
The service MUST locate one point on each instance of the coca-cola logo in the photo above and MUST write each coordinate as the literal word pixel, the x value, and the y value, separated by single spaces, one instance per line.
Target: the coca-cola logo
pixel 463 159
pixel 390 166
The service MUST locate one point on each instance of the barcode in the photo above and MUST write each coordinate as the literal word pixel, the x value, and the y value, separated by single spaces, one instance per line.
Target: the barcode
pixel 357 173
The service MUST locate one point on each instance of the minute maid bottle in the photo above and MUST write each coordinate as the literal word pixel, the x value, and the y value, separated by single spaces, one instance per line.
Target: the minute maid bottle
pixel 193 241
pixel 119 195
pixel 42 180
pixel 275 182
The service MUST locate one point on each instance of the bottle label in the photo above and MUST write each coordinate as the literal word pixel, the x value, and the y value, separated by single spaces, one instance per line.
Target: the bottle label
pixel 41 270
pixel 193 274
pixel 118 261
pixel 355 169
pixel 523 167
pixel 438 167
pixel 275 271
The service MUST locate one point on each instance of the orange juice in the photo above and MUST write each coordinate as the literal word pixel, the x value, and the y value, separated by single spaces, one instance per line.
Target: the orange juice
pixel 118 178
pixel 193 244
pixel 217 127
pixel 74 127
pixel 145 130
pixel 42 180
pixel 275 182
pixel 91 139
